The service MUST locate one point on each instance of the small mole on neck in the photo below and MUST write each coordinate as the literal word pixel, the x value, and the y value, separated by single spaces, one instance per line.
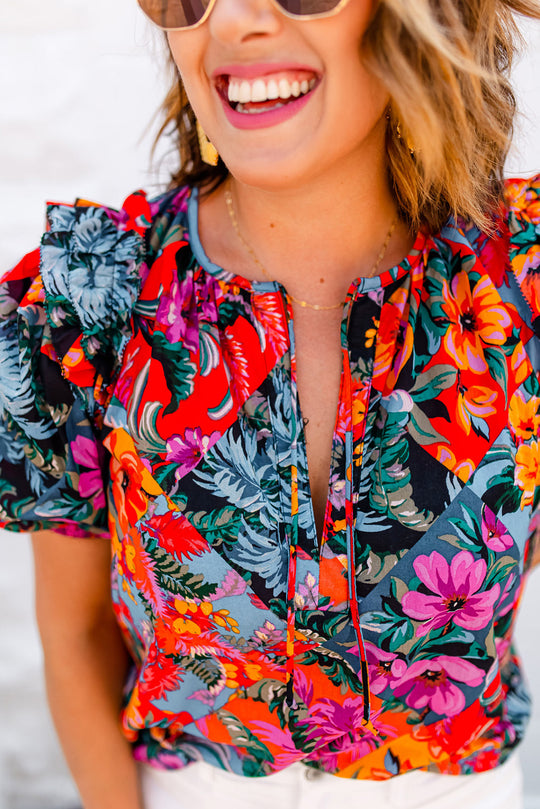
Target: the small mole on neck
pixel 321 280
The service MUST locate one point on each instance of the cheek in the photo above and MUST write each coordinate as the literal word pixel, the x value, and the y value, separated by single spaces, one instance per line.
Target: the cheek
pixel 175 40
pixel 187 51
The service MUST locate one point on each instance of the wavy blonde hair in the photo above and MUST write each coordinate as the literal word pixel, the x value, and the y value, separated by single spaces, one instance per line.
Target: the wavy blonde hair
pixel 446 65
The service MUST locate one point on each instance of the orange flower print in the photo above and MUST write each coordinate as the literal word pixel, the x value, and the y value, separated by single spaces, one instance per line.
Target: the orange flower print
pixel 475 319
pixel 475 400
pixel 524 417
pixel 198 617
pixel 463 468
pixel 527 471
pixel 395 342
pixel 132 482
pixel 371 334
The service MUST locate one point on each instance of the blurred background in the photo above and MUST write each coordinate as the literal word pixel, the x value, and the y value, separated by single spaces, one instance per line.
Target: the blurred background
pixel 79 86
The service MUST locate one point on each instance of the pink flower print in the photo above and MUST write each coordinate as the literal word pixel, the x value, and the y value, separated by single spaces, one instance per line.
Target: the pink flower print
pixel 177 311
pixel 338 729
pixel 281 740
pixel 329 719
pixel 268 636
pixel 385 668
pixel 431 684
pixel 457 599
pixel 85 453
pixel 494 532
pixel 187 450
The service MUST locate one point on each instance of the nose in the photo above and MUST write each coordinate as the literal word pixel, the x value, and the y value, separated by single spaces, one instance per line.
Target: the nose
pixel 235 21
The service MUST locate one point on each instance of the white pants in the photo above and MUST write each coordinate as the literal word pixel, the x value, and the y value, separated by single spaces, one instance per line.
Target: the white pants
pixel 201 786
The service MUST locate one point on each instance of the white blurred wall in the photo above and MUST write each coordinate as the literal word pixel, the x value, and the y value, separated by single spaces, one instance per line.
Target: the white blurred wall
pixel 79 83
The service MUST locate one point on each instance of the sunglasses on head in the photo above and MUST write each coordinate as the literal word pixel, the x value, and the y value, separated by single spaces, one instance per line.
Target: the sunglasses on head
pixel 174 14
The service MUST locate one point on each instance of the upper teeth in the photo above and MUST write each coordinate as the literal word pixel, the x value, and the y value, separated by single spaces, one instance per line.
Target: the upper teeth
pixel 243 91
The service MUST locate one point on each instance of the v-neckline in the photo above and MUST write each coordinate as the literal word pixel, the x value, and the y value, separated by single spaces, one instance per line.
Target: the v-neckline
pixel 359 287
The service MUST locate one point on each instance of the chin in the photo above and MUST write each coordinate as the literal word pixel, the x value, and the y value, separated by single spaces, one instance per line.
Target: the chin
pixel 275 171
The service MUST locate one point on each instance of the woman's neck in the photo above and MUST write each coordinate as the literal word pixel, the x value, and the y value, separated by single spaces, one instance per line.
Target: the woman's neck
pixel 315 238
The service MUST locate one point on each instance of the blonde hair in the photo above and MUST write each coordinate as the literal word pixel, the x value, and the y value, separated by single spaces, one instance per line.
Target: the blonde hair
pixel 446 65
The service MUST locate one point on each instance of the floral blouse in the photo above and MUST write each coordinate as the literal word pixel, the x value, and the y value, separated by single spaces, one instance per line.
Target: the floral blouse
pixel 149 395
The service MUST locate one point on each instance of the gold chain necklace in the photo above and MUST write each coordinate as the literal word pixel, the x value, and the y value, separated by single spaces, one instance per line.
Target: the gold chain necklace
pixel 260 265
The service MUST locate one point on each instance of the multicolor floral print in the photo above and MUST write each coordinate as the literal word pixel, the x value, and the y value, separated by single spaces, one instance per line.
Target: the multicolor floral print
pixel 136 370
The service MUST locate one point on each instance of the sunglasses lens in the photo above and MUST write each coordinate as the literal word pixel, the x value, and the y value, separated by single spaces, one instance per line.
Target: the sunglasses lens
pixel 183 13
pixel 174 13
pixel 308 8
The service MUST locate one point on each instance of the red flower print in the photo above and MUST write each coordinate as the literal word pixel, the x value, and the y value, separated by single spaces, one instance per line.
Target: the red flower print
pixel 160 675
pixel 457 599
pixel 175 533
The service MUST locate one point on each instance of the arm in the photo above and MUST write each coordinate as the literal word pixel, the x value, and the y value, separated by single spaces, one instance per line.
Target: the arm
pixel 85 666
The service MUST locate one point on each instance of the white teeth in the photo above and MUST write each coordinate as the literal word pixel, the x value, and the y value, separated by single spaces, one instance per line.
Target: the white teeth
pixel 284 89
pixel 242 91
pixel 272 90
pixel 258 90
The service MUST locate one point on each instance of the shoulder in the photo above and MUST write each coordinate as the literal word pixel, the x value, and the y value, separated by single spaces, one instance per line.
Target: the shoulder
pixel 522 217
pixel 510 253
pixel 85 278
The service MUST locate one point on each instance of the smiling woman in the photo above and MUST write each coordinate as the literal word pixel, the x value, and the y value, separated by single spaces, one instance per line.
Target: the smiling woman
pixel 297 394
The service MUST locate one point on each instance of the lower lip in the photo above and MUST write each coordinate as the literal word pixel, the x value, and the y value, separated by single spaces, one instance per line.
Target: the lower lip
pixel 263 120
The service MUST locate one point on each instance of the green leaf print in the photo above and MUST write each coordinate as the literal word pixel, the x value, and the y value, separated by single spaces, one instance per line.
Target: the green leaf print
pixel 177 578
pixel 203 667
pixel 429 384
pixel 241 736
pixel 507 496
pixel 335 668
pixel 218 527
pixel 178 369
pixel 422 430
pixel 271 693
pixel 496 361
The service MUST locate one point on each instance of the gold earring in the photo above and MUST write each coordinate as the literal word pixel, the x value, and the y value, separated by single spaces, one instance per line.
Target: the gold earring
pixel 408 143
pixel 209 153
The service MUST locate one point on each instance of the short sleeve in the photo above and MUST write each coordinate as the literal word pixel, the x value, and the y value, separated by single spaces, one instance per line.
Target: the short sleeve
pixel 65 313
pixel 523 200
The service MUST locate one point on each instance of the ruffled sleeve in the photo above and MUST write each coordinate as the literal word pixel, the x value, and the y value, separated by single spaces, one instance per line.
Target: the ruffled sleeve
pixel 523 200
pixel 65 314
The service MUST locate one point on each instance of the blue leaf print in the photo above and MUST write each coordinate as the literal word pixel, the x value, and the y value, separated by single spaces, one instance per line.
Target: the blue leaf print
pixel 16 395
pixel 96 271
pixel 266 555
pixel 11 447
pixel 235 470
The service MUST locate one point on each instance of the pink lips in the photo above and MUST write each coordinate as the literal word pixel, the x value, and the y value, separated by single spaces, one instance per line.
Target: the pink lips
pixel 272 117
pixel 261 120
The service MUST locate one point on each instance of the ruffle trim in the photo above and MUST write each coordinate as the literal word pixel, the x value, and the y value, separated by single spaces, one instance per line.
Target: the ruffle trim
pixel 523 201
pixel 91 261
